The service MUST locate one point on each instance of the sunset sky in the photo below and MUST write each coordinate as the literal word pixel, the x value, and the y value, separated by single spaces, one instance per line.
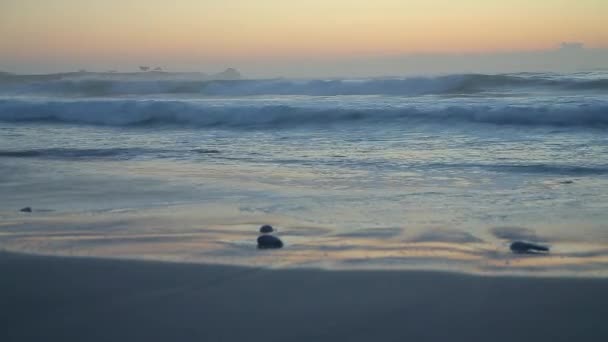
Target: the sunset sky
pixel 208 33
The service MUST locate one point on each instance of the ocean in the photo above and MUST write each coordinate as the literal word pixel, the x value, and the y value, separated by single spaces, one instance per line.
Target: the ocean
pixel 434 173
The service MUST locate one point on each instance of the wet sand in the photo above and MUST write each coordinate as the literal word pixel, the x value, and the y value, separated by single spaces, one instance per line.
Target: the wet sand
pixel 85 299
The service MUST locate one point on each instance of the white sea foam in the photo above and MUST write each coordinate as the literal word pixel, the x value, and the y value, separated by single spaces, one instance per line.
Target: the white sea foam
pixel 302 112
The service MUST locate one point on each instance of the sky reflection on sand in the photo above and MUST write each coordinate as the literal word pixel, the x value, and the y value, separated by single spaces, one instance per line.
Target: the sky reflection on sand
pixel 175 235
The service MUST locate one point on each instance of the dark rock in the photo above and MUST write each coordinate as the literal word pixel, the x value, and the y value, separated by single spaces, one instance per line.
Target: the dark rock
pixel 26 210
pixel 527 247
pixel 265 229
pixel 269 241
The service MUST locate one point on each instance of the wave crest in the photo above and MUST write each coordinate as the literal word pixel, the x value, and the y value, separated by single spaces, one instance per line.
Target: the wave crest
pixel 239 114
pixel 112 85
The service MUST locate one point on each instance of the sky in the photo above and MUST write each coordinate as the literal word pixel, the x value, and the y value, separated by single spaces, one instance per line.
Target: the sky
pixel 267 37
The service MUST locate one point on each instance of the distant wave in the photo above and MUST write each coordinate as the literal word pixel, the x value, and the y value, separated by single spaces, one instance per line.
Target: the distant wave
pixel 243 114
pixel 79 153
pixel 111 85
pixel 112 153
pixel 553 169
pixel 118 153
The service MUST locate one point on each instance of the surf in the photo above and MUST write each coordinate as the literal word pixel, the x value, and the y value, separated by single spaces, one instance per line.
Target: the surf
pixel 115 84
pixel 293 113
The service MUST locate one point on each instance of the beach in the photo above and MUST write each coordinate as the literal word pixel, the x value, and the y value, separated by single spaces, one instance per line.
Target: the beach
pixel 437 172
pixel 88 299
pixel 132 204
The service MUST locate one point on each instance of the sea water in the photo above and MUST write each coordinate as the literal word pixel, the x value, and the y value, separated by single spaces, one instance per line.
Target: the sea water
pixel 438 172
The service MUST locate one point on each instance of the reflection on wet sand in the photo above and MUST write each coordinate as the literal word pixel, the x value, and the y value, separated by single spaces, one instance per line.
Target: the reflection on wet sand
pixel 134 235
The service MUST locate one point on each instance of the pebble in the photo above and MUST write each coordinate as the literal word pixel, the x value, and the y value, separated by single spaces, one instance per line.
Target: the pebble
pixel 265 229
pixel 526 247
pixel 269 241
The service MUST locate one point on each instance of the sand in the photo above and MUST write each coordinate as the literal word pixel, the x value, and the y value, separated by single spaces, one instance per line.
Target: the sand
pixel 84 299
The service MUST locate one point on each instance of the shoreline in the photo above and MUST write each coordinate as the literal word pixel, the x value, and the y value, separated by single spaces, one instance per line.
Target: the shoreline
pixel 414 257
pixel 85 298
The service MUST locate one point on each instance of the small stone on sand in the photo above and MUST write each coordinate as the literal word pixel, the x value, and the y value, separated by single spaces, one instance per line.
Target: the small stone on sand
pixel 269 241
pixel 526 247
pixel 266 229
pixel 26 210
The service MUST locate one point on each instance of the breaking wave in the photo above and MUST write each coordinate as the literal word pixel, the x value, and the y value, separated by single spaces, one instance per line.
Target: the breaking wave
pixel 118 85
pixel 243 114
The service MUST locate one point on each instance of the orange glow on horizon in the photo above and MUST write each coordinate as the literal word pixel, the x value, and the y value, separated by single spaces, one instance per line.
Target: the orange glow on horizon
pixel 215 30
